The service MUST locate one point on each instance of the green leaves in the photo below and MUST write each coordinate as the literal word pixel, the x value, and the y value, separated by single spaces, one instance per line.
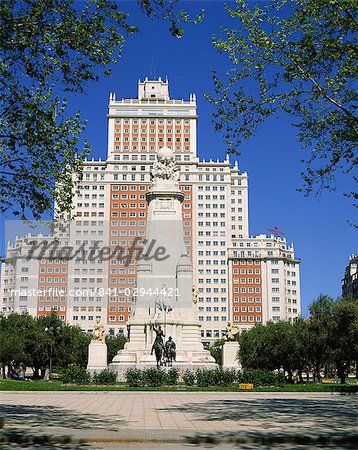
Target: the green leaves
pixel 48 48
pixel 276 345
pixel 168 10
pixel 25 341
pixel 293 58
pixel 114 343
pixel 329 336
pixel 334 328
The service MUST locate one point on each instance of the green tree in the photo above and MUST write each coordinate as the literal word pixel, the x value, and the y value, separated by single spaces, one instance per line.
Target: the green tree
pixel 329 338
pixel 13 332
pixel 38 348
pixel 276 345
pixel 73 347
pixel 254 349
pixel 320 327
pixel 42 343
pixel 345 336
pixel 51 342
pixel 281 346
pixel 301 341
pixel 216 351
pixel 47 48
pixel 294 57
pixel 114 343
pixel 35 342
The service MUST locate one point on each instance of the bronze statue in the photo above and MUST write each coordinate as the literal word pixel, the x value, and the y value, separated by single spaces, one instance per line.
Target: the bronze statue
pixel 170 352
pixel 158 344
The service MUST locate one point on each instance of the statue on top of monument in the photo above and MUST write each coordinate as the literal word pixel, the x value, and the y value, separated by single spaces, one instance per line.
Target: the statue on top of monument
pixel 161 302
pixel 231 332
pixel 165 168
pixel 98 332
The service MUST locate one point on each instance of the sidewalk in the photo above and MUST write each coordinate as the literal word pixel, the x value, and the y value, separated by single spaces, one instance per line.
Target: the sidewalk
pixel 178 417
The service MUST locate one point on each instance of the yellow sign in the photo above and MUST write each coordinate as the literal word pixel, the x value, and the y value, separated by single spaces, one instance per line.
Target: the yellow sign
pixel 246 386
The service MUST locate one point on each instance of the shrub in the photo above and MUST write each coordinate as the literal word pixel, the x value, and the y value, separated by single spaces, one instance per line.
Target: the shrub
pixel 76 375
pixel 260 377
pixel 172 376
pixel 189 378
pixel 280 379
pixel 218 377
pixel 225 377
pixel 205 377
pixel 134 377
pixel 104 377
pixel 153 377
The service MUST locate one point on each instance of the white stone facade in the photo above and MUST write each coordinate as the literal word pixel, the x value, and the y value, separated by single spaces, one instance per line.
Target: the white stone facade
pixel 110 208
pixel 265 280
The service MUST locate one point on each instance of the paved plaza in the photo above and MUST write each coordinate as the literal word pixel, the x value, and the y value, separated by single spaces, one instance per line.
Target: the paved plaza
pixel 193 417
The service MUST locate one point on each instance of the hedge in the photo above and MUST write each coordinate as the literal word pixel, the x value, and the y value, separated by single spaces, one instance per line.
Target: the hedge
pixel 201 377
pixel 152 377
pixel 76 375
pixel 104 377
pixel 79 375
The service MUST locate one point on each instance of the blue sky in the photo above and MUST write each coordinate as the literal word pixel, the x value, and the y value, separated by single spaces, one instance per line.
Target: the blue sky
pixel 318 226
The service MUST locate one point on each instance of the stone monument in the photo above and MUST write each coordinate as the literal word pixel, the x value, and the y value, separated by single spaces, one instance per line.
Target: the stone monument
pixel 164 283
pixel 231 348
pixel 97 350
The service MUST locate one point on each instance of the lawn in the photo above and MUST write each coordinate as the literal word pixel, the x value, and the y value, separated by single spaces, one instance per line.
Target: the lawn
pixel 56 385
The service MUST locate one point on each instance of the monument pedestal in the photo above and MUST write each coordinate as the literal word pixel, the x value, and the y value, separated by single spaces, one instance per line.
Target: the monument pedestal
pixel 190 353
pixel 230 360
pixel 97 356
pixel 165 277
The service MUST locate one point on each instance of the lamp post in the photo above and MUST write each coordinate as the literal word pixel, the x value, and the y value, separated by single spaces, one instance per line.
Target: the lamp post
pixel 53 332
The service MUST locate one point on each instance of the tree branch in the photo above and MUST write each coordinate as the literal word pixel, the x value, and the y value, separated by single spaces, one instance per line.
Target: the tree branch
pixel 321 90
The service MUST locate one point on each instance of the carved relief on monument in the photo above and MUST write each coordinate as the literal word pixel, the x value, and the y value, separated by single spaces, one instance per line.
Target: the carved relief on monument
pixel 165 168
pixel 165 204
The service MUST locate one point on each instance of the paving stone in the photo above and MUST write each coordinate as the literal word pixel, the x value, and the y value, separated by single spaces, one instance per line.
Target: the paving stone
pixel 199 415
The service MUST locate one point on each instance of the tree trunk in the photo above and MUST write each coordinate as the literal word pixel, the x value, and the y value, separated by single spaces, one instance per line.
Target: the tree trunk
pixel 289 376
pixel 341 373
pixel 318 372
pixel 300 377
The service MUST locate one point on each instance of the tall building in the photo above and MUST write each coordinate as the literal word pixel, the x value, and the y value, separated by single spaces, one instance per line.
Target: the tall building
pixel 243 279
pixel 264 280
pixel 350 280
